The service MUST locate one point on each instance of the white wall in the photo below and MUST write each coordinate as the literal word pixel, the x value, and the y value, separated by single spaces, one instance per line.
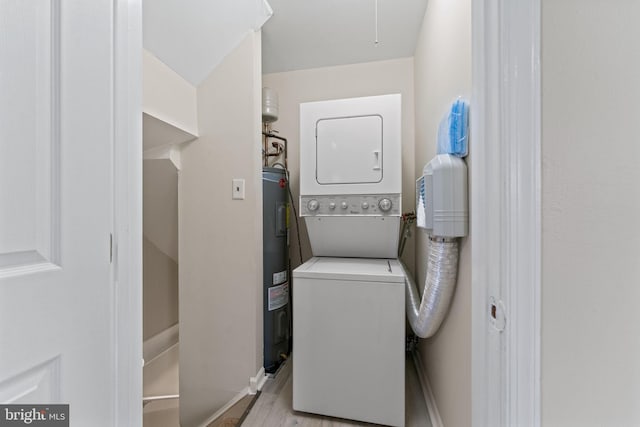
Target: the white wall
pixel 167 96
pixel 221 239
pixel 590 211
pixel 443 72
pixel 160 246
pixel 160 289
pixel 160 205
pixel 317 84
pixel 168 101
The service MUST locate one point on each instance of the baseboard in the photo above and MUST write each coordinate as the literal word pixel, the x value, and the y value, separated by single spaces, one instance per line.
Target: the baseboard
pixel 237 398
pixel 256 383
pixel 432 408
pixel 159 343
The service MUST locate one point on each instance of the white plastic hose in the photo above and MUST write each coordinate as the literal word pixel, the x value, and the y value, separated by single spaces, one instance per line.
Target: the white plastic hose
pixel 426 315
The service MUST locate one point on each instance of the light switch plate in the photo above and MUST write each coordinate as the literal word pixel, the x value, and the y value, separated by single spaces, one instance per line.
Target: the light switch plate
pixel 237 192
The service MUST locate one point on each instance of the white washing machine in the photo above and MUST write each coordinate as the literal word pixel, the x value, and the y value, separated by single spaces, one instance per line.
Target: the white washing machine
pixel 348 339
pixel 348 301
pixel 351 176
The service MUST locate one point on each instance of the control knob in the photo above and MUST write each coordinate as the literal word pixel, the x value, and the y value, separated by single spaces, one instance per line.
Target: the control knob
pixel 313 205
pixel 365 205
pixel 385 205
pixel 344 205
pixel 332 206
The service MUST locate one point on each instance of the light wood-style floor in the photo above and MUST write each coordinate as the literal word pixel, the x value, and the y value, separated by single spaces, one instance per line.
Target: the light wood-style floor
pixel 273 406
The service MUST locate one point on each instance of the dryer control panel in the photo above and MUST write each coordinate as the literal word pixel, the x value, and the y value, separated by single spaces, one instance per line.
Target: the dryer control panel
pixel 351 205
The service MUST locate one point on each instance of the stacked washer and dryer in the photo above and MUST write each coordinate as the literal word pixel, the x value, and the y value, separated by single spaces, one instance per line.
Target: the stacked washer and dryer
pixel 349 299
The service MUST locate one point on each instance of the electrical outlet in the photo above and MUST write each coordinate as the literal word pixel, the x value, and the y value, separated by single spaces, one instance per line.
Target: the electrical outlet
pixel 237 192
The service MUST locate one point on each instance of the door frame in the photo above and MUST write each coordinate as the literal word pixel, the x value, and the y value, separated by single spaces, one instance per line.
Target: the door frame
pixel 127 211
pixel 506 212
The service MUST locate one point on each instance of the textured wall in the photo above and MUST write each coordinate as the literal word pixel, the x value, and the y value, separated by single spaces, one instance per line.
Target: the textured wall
pixel 443 72
pixel 590 212
pixel 221 239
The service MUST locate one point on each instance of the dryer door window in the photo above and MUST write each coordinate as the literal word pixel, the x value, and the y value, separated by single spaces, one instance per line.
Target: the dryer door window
pixel 349 150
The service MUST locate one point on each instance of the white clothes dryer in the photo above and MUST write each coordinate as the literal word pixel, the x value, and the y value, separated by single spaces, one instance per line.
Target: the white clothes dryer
pixel 351 175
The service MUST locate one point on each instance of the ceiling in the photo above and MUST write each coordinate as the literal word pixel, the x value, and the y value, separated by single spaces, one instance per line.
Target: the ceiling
pixel 316 33
pixel 193 37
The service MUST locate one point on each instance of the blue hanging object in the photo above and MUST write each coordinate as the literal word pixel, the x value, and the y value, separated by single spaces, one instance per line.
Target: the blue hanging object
pixel 453 132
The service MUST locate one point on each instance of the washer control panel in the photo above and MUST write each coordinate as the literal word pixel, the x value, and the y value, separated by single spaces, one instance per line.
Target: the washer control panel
pixel 357 205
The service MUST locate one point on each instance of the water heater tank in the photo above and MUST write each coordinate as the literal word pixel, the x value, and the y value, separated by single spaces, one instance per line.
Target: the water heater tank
pixel 269 105
pixel 275 270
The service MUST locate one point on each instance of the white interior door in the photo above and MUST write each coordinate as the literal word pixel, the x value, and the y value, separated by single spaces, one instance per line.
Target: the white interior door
pixel 349 150
pixel 57 340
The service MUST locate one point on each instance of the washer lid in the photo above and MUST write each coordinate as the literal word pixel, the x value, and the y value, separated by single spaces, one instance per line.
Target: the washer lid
pixel 361 269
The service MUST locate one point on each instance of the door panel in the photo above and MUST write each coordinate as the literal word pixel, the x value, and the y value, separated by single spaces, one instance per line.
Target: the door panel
pixel 349 150
pixel 29 163
pixel 38 384
pixel 56 207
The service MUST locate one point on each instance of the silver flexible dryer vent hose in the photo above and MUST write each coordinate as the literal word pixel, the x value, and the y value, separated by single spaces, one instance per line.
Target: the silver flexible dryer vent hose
pixel 426 315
